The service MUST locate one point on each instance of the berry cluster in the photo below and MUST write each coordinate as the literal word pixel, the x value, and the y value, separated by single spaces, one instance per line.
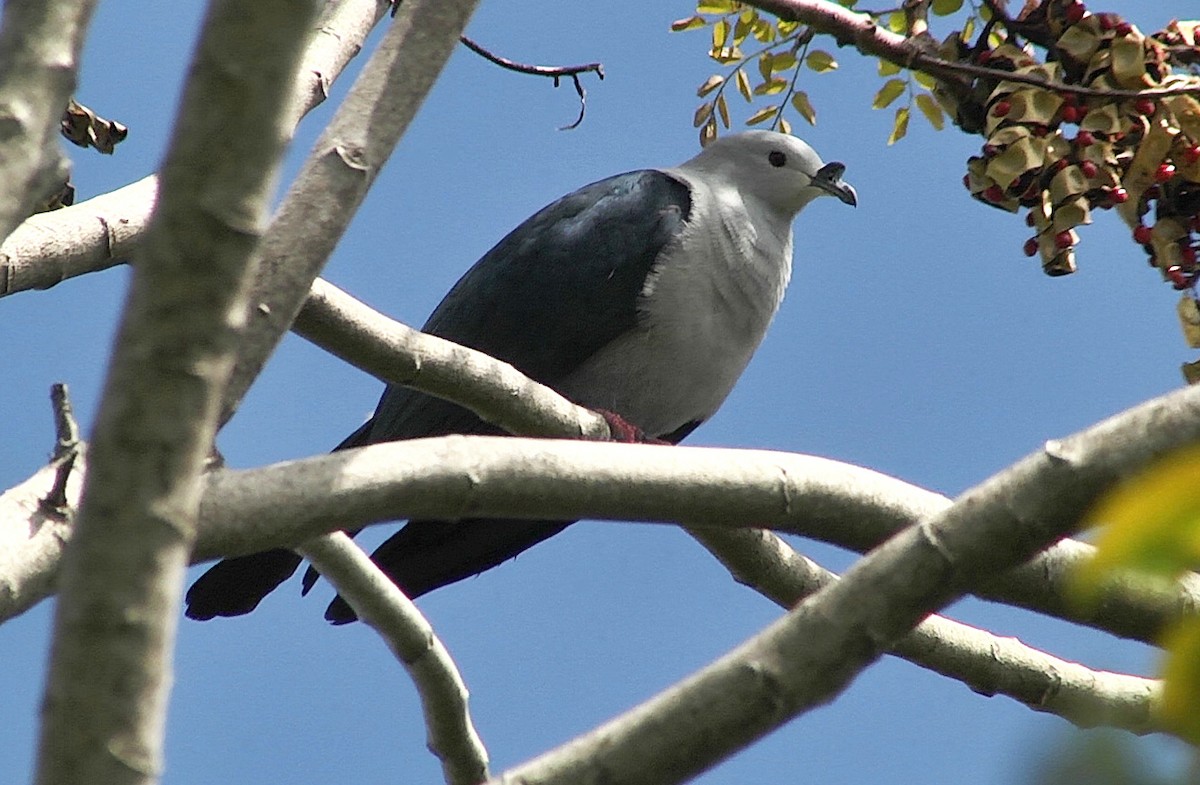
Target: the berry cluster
pixel 1061 152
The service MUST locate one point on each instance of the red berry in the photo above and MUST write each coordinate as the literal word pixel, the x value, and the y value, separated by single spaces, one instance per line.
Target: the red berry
pixel 1060 164
pixel 1070 114
pixel 1192 154
pixel 1040 130
pixel 1031 246
pixel 1118 195
pixel 1108 21
pixel 1002 108
pixel 1089 169
pixel 1124 28
pixel 967 181
pixel 990 150
pixel 1084 138
pixel 1030 218
pixel 1141 235
pixel 994 193
pixel 1063 240
pixel 1178 277
pixel 1075 11
pixel 1150 193
pixel 1164 172
pixel 984 56
pixel 1188 254
pixel 1144 106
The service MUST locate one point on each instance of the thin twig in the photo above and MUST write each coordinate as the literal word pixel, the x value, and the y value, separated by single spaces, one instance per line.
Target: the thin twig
pixel 66 448
pixel 555 72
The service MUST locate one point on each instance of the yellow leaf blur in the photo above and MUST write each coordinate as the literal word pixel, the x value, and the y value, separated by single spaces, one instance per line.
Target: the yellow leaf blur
pixel 820 61
pixel 714 7
pixel 691 23
pixel 946 7
pixel 887 68
pixel 1181 679
pixel 784 126
pixel 743 84
pixel 932 111
pixel 772 87
pixel 720 32
pixel 703 112
pixel 1150 522
pixel 723 110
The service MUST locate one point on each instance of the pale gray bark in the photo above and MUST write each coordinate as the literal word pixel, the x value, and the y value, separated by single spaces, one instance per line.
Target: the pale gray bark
pixel 120 586
pixel 378 603
pixel 40 42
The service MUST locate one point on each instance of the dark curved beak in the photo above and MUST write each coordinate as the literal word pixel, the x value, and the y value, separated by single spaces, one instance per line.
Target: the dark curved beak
pixel 829 179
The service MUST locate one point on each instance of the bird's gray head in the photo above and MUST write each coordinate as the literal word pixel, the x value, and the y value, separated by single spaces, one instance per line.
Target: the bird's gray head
pixel 778 169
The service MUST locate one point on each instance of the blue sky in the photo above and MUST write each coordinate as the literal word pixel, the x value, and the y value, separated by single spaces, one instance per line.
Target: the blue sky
pixel 916 339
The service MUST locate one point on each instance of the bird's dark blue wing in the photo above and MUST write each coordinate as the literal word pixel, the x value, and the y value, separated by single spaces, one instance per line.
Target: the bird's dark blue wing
pixel 549 295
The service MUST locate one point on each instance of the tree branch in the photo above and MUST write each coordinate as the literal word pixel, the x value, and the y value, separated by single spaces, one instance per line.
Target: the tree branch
pixel 101 232
pixel 121 582
pixel 40 42
pixel 555 72
pixel 377 601
pixel 987 663
pixel 341 168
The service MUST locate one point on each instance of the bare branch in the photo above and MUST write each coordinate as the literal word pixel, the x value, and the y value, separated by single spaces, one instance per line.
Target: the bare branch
pixel 815 651
pixel 988 664
pixel 40 41
pixel 377 601
pixel 106 695
pixel 341 168
pixel 555 72
pixel 102 232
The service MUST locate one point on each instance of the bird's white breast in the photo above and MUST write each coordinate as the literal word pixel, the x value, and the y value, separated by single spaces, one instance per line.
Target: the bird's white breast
pixel 703 312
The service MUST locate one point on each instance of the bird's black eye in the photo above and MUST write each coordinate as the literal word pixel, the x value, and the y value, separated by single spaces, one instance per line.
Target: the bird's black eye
pixel 776 158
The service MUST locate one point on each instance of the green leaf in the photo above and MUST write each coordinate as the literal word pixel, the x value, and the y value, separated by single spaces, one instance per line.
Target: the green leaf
pixel 887 68
pixel 890 91
pixel 710 84
pixel 820 61
pixel 743 84
pixel 763 30
pixel 900 126
pixel 720 33
pixel 968 31
pixel 786 28
pixel 946 7
pixel 1181 679
pixel 714 7
pixel 691 23
pixel 896 22
pixel 764 65
pixel 783 61
pixel 924 79
pixel 708 132
pixel 932 111
pixel 784 126
pixel 804 107
pixel 773 87
pixel 703 113
pixel 762 115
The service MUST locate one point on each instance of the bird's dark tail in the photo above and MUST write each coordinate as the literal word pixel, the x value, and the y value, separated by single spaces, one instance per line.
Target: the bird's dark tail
pixel 235 586
pixel 426 555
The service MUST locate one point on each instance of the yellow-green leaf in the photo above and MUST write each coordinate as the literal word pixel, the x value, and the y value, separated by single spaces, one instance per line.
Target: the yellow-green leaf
pixel 762 115
pixel 764 65
pixel 896 22
pixel 723 110
pixel 743 84
pixel 784 126
pixel 772 87
pixel 900 126
pixel 924 79
pixel 946 7
pixel 708 132
pixel 1181 679
pixel 783 61
pixel 786 28
pixel 691 23
pixel 727 56
pixel 714 7
pixel 890 91
pixel 887 68
pixel 710 84
pixel 703 113
pixel 932 110
pixel 968 31
pixel 720 33
pixel 804 107
pixel 763 30
pixel 820 61
pixel 1151 521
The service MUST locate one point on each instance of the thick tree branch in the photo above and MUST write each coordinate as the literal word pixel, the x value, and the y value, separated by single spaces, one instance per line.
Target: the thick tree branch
pixel 815 651
pixel 97 234
pixel 121 581
pixel 987 663
pixel 377 601
pixel 341 168
pixel 40 41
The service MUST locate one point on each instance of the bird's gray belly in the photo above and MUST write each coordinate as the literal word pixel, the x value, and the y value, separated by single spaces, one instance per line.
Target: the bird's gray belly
pixel 679 364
